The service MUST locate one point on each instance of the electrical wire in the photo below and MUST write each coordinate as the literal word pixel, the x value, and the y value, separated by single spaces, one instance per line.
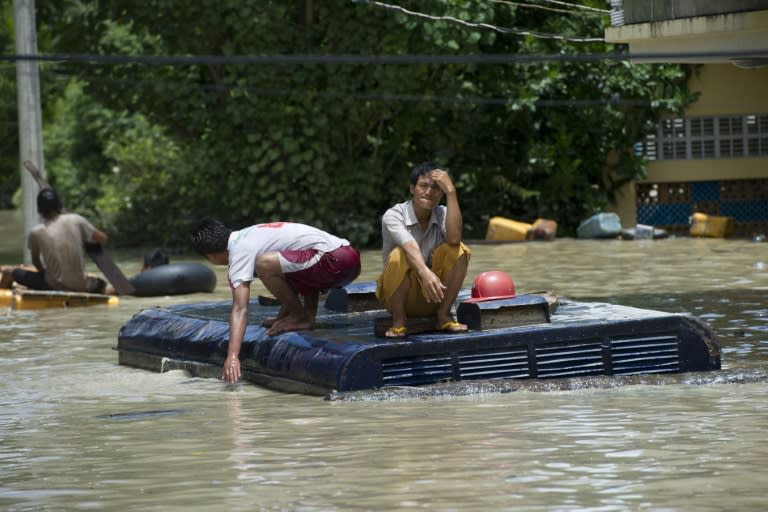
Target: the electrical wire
pixel 376 60
pixel 502 30
pixel 548 9
pixel 614 100
pixel 572 5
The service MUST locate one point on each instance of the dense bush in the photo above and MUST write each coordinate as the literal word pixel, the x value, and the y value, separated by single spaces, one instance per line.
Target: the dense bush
pixel 146 146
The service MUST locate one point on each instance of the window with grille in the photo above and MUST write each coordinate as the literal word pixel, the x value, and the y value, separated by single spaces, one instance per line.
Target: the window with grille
pixel 694 138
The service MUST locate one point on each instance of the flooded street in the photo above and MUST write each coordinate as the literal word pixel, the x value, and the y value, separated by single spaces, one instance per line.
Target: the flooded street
pixel 80 432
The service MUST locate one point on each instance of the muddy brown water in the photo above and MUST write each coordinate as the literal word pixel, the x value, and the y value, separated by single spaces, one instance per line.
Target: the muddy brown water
pixel 80 432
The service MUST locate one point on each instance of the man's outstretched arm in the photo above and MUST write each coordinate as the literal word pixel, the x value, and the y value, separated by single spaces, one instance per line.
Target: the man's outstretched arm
pixel 238 321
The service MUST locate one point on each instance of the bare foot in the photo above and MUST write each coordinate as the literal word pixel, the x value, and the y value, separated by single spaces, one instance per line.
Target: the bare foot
pixel 290 323
pixel 269 322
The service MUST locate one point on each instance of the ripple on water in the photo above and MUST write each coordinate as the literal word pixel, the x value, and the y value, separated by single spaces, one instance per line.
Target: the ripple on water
pixel 673 442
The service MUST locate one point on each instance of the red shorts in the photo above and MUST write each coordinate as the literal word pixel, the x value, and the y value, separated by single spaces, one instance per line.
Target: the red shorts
pixel 309 270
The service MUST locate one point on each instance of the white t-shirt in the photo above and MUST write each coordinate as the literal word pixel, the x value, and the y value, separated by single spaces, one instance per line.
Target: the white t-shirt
pixel 246 244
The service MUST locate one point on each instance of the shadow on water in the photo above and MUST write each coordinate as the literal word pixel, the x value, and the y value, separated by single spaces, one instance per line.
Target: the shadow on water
pixel 141 415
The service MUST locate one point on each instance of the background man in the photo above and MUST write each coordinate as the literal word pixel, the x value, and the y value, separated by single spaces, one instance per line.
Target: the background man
pixel 57 247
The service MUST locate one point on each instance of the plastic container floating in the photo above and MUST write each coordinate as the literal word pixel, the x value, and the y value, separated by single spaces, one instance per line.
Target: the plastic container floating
pixel 500 228
pixel 712 226
pixel 643 232
pixel 503 229
pixel 600 225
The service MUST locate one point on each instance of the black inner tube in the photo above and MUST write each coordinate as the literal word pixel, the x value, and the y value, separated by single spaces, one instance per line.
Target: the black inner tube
pixel 174 279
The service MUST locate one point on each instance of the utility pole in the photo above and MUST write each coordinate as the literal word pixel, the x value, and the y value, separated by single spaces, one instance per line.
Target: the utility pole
pixel 30 116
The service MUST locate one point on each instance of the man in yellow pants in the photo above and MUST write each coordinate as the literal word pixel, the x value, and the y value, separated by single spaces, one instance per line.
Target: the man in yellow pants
pixel 425 261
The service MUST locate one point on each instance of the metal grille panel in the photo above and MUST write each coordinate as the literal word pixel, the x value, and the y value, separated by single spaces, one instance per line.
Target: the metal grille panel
pixel 413 371
pixel 570 359
pixel 511 363
pixel 626 355
pixel 649 354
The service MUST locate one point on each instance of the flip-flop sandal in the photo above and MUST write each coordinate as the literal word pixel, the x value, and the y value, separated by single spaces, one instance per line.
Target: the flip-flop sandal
pixel 396 332
pixel 451 326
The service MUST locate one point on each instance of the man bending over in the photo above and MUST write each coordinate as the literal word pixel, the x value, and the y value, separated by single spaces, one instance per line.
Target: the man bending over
pixel 294 261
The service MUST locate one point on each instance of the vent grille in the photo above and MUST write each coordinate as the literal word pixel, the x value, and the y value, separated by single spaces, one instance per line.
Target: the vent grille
pixel 416 370
pixel 496 364
pixel 650 354
pixel 570 360
pixel 579 358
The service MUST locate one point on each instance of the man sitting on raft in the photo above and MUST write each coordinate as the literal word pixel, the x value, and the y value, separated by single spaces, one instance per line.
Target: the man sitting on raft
pixel 57 248
pixel 425 261
pixel 294 261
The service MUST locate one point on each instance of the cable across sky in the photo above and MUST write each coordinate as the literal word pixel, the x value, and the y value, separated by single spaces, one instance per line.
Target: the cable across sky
pixel 350 59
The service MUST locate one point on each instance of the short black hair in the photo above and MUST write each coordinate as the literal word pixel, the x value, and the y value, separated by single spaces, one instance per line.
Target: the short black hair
pixel 422 169
pixel 155 259
pixel 209 236
pixel 48 203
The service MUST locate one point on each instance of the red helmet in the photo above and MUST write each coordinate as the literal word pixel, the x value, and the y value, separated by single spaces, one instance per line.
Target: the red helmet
pixel 493 284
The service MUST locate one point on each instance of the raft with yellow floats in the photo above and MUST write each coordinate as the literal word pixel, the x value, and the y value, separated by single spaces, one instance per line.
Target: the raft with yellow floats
pixel 24 299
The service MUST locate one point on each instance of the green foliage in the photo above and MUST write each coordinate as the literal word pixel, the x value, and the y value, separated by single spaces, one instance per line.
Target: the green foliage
pixel 10 167
pixel 141 171
pixel 566 158
pixel 148 147
pixel 9 174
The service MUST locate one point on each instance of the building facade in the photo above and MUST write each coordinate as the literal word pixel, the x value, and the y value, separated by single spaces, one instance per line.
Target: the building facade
pixel 714 159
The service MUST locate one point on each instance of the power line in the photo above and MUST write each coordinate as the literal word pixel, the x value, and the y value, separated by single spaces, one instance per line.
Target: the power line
pixel 552 9
pixel 503 30
pixel 614 100
pixel 575 6
pixel 349 59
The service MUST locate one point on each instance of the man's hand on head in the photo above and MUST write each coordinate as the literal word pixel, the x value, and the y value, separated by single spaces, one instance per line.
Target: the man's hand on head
pixel 443 180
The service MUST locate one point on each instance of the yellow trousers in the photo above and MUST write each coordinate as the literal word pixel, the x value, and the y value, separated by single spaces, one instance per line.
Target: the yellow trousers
pixel 443 259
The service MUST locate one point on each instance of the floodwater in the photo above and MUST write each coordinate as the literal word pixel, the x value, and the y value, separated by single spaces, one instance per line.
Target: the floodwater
pixel 80 432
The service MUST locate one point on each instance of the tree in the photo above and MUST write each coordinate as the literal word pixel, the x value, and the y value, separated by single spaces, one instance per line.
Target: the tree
pixel 331 144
